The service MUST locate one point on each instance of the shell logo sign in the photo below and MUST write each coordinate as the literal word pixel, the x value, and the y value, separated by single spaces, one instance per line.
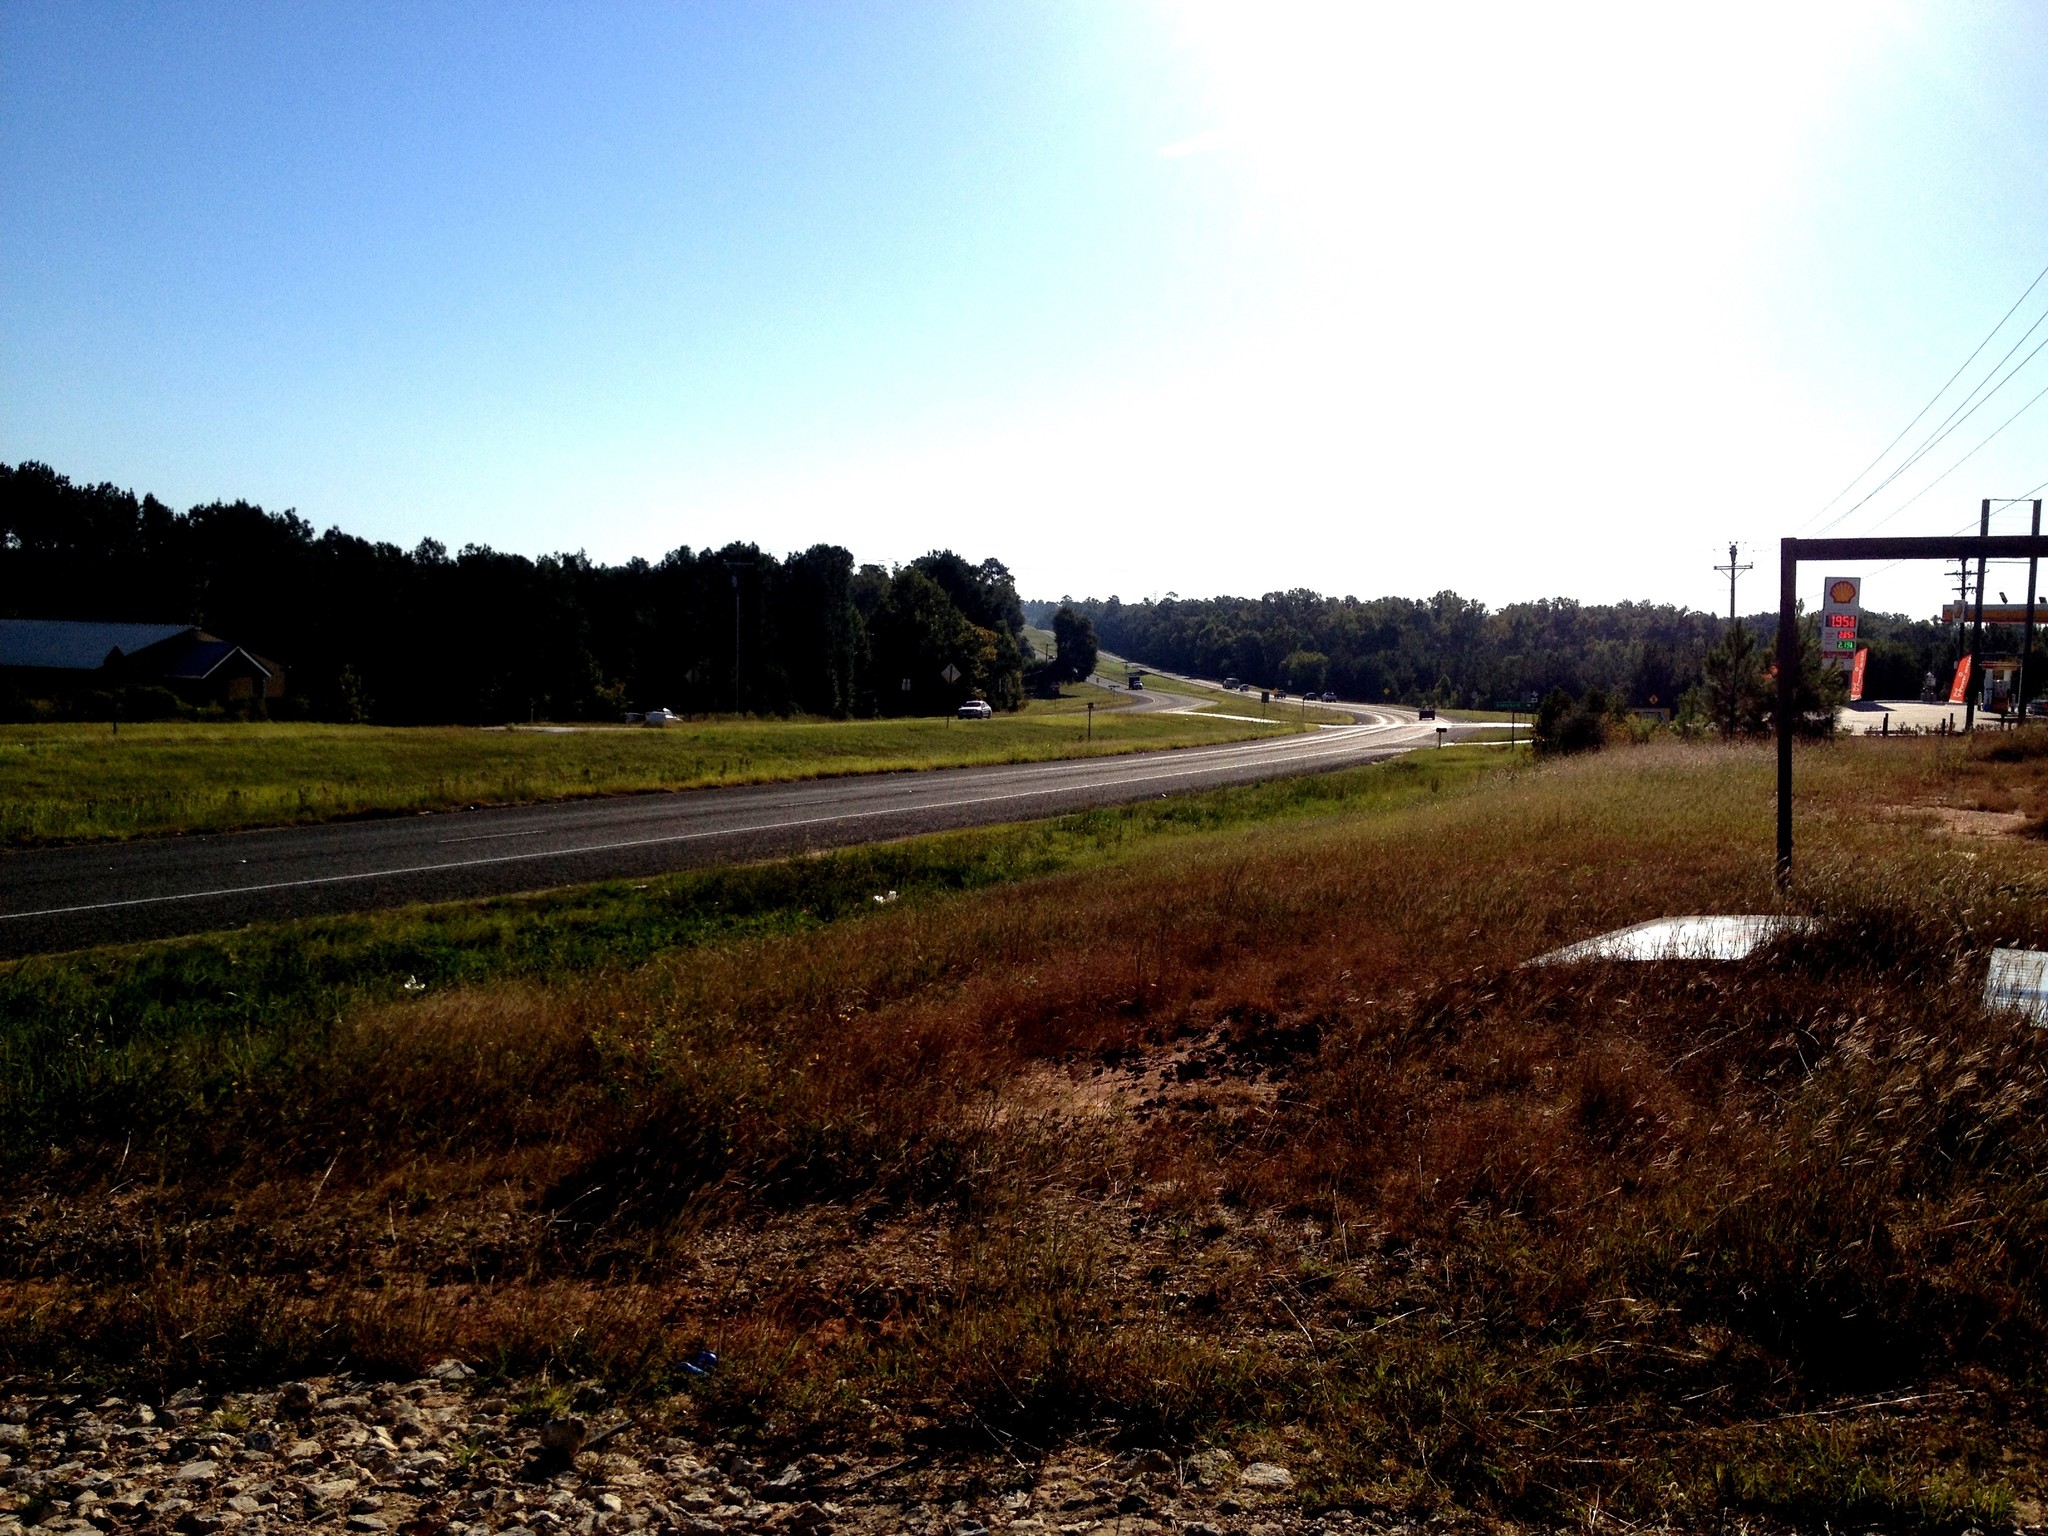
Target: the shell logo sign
pixel 1841 603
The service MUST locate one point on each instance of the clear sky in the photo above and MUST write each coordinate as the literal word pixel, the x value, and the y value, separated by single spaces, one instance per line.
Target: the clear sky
pixel 1517 300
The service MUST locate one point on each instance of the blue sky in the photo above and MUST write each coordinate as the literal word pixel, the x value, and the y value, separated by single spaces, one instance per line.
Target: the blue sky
pixel 1141 297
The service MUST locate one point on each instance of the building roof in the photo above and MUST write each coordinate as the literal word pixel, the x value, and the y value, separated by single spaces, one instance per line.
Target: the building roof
pixel 204 657
pixel 79 645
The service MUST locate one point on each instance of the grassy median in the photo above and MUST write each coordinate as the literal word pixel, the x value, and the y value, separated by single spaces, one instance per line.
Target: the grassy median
pixel 1249 1128
pixel 73 783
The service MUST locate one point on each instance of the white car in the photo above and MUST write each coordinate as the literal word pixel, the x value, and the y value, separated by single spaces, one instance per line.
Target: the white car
pixel 661 717
pixel 976 709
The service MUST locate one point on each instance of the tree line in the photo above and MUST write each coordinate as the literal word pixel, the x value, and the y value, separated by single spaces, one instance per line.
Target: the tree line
pixel 367 630
pixel 370 631
pixel 1448 650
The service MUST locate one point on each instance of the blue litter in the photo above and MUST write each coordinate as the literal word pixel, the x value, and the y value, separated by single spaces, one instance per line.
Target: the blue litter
pixel 701 1363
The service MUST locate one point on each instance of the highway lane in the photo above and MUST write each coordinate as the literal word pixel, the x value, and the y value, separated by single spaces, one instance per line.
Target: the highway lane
pixel 65 898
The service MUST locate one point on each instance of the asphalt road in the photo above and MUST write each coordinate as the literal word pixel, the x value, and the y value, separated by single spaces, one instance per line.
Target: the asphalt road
pixel 66 898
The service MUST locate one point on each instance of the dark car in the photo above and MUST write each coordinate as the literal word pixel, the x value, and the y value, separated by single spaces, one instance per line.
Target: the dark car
pixel 1425 713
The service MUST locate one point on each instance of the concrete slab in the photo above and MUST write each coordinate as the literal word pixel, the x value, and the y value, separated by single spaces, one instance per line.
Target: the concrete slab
pixel 1721 937
pixel 1868 716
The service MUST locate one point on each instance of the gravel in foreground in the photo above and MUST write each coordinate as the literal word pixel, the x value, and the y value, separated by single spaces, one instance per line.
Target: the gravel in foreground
pixel 436 1457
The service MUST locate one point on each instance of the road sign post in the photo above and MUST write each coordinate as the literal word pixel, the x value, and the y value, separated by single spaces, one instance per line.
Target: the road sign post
pixel 1514 707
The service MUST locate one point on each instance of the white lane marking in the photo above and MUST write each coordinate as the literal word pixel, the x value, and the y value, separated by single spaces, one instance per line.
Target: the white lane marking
pixel 485 837
pixel 783 796
pixel 1328 750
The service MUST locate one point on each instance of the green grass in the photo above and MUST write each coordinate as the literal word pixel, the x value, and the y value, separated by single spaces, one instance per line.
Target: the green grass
pixel 1156 682
pixel 76 783
pixel 145 1035
pixel 1222 701
pixel 1075 698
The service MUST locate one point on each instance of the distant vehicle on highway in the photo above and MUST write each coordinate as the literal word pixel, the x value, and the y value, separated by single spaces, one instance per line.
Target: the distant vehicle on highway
pixel 2037 709
pixel 1137 682
pixel 659 717
pixel 1329 697
pixel 1425 713
pixel 976 709
pixel 1232 684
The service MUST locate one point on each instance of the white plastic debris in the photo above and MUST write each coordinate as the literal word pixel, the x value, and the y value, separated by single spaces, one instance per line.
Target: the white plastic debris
pixel 2018 983
pixel 1727 937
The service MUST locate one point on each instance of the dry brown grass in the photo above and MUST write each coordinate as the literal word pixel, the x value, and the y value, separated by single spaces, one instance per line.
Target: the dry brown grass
pixel 1263 1137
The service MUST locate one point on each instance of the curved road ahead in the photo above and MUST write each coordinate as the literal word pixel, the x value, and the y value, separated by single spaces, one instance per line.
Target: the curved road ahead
pixel 65 898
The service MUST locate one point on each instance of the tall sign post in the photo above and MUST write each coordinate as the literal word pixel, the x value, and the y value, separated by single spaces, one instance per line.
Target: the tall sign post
pixel 1790 553
pixel 2027 643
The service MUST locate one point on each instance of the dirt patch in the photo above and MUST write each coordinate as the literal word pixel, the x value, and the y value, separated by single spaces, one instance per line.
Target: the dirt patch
pixel 1958 821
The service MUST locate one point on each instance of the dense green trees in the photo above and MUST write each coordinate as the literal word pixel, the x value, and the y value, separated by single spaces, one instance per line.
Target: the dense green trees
pixel 371 631
pixel 1736 692
pixel 918 632
pixel 1449 650
pixel 1305 671
pixel 1074 646
pixel 1565 724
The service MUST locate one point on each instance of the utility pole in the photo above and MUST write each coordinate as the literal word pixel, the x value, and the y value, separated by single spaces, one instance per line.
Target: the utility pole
pixel 1976 628
pixel 735 567
pixel 1734 570
pixel 1962 604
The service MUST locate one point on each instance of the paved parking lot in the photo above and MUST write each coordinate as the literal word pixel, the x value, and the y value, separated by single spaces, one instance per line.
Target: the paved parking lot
pixel 1870 715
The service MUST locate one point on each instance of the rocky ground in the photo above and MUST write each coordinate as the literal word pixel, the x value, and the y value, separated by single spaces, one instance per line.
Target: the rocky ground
pixel 441 1457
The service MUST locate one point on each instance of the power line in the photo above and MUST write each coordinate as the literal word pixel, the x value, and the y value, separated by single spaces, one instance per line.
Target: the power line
pixel 1936 396
pixel 1996 501
pixel 1959 463
pixel 1950 424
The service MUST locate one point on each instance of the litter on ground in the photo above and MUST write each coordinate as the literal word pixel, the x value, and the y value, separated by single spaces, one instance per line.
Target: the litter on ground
pixel 2018 982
